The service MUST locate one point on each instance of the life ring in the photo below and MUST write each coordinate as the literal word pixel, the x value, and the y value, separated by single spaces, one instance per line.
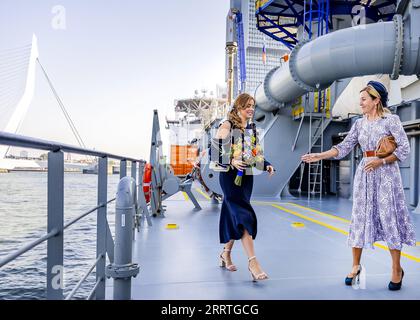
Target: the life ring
pixel 147 179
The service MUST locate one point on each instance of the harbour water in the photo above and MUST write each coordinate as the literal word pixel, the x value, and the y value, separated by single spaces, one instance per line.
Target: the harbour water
pixel 23 219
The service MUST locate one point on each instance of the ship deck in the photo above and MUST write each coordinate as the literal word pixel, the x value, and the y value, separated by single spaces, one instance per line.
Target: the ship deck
pixel 307 262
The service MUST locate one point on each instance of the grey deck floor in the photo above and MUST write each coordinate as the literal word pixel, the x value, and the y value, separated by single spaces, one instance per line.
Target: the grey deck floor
pixel 309 262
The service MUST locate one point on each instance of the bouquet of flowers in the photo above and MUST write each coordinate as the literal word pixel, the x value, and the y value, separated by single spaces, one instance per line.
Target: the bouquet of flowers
pixel 250 153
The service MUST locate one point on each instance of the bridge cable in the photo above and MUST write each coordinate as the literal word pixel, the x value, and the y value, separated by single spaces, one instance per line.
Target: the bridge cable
pixel 60 103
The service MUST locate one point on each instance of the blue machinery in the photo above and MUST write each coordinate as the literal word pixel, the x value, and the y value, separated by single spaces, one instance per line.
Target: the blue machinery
pixel 331 44
pixel 280 19
pixel 328 61
pixel 241 50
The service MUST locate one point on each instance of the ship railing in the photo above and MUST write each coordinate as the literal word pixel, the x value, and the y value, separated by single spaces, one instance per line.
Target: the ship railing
pixel 55 212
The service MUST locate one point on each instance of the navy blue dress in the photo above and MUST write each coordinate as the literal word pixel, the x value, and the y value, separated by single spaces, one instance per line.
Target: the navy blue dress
pixel 237 214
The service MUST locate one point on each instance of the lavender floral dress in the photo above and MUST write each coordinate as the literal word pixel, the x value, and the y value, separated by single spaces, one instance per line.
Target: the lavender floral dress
pixel 379 209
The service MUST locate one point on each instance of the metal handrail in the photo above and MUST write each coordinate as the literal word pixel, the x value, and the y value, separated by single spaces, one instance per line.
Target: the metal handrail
pixel 68 224
pixel 28 247
pixel 56 213
pixel 16 140
pixel 77 286
pixel 49 235
pixel 93 291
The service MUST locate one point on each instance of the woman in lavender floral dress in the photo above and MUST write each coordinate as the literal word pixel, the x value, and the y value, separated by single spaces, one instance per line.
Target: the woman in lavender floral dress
pixel 379 209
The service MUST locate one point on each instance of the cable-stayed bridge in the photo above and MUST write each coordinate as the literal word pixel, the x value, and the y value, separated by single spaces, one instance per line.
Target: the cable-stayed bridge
pixel 18 67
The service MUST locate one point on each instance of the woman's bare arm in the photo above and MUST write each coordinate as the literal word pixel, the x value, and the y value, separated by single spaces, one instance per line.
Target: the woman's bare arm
pixel 313 157
pixel 333 152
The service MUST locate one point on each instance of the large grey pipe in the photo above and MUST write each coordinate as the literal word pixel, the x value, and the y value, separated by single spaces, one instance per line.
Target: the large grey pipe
pixel 362 50
pixel 123 269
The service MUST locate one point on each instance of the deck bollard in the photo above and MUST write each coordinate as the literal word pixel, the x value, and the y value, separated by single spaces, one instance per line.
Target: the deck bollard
pixel 123 268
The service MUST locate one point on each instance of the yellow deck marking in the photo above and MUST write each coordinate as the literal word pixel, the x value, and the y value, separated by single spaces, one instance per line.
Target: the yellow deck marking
pixel 326 225
pixel 378 245
pixel 185 196
pixel 205 196
pixel 319 212
pixel 406 255
pixel 298 224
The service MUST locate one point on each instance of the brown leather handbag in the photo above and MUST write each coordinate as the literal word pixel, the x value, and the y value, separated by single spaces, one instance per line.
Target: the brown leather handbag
pixel 386 146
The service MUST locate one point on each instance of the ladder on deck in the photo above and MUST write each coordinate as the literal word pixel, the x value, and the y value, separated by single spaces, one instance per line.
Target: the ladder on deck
pixel 318 121
pixel 316 140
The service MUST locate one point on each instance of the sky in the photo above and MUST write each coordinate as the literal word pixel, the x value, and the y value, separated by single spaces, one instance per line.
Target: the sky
pixel 114 62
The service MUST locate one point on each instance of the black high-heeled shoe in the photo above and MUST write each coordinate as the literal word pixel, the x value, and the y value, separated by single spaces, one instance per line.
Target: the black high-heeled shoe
pixel 393 286
pixel 356 277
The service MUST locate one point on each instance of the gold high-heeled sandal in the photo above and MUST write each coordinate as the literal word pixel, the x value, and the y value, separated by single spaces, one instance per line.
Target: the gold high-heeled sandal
pixel 224 264
pixel 258 277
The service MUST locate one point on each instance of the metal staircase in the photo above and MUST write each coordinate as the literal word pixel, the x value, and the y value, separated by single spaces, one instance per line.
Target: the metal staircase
pixel 318 115
pixel 317 123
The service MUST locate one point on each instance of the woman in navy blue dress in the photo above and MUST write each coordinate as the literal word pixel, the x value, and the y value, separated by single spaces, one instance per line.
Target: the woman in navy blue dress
pixel 237 217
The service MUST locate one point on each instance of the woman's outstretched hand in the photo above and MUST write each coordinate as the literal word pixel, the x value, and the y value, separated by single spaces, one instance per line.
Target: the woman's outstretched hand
pixel 270 170
pixel 311 157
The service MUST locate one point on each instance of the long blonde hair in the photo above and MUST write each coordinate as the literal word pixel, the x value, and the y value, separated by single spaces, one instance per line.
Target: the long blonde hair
pixel 240 103
pixel 380 109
